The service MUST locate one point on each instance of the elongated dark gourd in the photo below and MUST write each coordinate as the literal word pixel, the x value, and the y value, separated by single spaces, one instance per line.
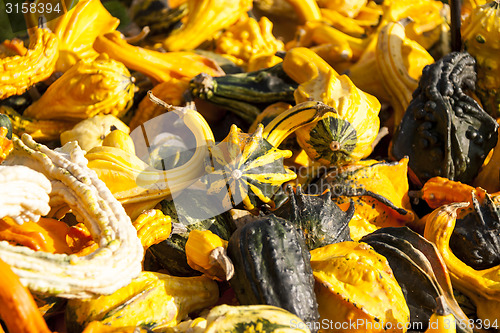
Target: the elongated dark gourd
pixel 246 94
pixel 419 270
pixel 272 266
pixel 445 132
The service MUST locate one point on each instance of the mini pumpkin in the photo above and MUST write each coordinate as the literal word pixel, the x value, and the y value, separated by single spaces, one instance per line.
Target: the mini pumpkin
pixel 346 133
pixel 246 170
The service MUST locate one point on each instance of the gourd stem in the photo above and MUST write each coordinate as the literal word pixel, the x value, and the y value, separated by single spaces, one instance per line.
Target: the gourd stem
pixel 456 38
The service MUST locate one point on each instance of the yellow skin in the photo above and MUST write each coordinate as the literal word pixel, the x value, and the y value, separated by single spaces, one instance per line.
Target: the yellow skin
pixel 77 29
pixel 319 82
pixel 481 286
pixel 206 18
pixel 248 39
pixel 91 87
pixel 481 38
pixel 37 63
pixel 160 66
pixel 352 281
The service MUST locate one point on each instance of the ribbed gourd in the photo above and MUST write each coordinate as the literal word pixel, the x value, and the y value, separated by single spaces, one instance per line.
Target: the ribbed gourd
pixel 346 133
pixel 272 266
pixel 246 171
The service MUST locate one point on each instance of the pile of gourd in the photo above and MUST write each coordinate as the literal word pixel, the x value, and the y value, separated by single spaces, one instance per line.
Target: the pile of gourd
pixel 239 166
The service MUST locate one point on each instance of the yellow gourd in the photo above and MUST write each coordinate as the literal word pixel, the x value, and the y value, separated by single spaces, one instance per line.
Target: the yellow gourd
pixel 206 252
pixel 90 87
pixel 355 284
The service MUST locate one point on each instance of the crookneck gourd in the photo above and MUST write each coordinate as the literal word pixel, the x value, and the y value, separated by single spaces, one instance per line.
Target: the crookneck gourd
pixel 90 87
pixel 321 220
pixel 439 191
pixel 444 131
pixel 419 270
pixel 20 72
pixel 160 66
pixel 271 266
pixel 245 170
pixel 352 281
pixel 137 185
pixel 481 38
pixel 467 236
pixel 206 252
pixel 346 133
pixel 152 299
pixel 118 258
pixel 206 17
pixel 245 94
pixel 395 69
pixel 379 191
pixel 76 29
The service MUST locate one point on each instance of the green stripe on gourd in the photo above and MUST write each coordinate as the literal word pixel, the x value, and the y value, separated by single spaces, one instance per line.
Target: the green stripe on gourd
pixel 331 140
pixel 253 318
pixel 246 170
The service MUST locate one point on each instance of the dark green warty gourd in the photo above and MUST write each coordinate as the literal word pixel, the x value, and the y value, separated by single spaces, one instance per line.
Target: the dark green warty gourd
pixel 444 131
pixel 272 266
